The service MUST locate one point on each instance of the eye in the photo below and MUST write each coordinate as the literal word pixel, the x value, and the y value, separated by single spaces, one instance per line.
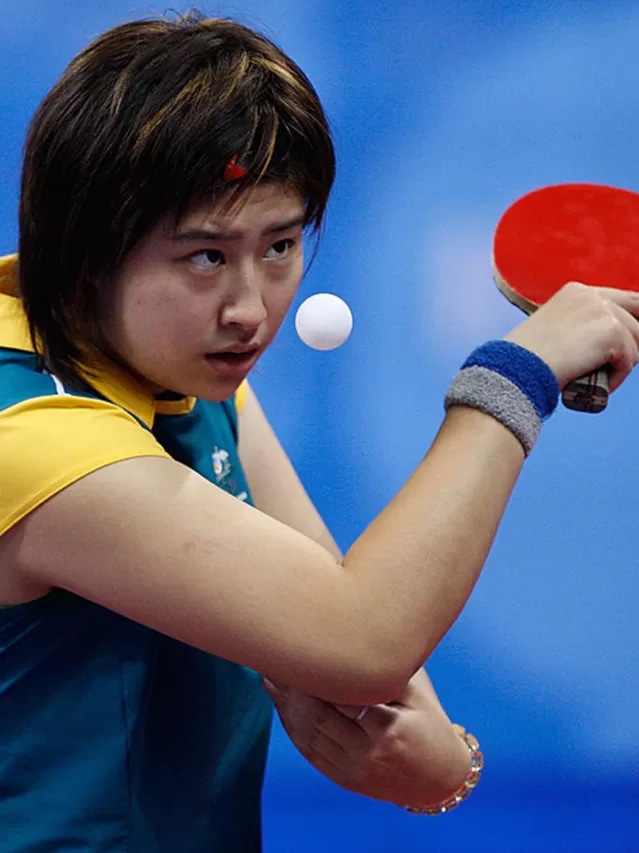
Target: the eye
pixel 207 259
pixel 279 250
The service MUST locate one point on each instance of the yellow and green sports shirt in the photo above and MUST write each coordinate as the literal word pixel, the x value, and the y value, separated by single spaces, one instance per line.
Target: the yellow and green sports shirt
pixel 114 737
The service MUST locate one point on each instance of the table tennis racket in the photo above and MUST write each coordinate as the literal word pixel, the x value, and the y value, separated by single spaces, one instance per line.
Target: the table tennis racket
pixel 568 232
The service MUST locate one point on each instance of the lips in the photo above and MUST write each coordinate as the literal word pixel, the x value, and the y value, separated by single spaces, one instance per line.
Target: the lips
pixel 232 361
pixel 233 356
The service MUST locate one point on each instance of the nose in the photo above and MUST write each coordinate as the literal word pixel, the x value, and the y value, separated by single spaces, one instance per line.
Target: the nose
pixel 244 304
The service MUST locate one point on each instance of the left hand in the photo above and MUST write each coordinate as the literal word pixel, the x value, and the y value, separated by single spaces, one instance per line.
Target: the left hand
pixel 405 752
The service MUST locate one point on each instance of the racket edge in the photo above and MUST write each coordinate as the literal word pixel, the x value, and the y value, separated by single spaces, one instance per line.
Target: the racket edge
pixel 511 295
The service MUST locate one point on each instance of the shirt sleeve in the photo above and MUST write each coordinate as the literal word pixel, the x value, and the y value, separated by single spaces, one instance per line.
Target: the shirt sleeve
pixel 47 443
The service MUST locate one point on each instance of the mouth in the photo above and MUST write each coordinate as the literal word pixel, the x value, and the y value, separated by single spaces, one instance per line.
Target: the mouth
pixel 232 363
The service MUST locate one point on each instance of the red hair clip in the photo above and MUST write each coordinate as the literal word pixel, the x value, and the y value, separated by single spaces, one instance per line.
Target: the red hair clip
pixel 233 170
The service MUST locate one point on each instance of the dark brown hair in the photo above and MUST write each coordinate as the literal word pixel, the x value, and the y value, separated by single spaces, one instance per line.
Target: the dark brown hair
pixel 141 125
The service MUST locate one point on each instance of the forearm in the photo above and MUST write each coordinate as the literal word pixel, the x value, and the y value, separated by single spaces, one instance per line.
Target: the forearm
pixel 424 552
pixel 406 578
pixel 351 632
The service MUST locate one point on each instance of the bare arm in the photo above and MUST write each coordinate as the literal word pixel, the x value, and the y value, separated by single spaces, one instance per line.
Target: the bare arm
pixel 278 492
pixel 155 541
pixel 407 752
pixel 275 486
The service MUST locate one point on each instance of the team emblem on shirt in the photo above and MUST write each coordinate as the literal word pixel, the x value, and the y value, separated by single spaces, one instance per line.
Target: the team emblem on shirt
pixel 221 463
pixel 222 468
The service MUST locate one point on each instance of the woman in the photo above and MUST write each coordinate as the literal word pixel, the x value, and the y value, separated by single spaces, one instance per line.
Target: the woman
pixel 157 550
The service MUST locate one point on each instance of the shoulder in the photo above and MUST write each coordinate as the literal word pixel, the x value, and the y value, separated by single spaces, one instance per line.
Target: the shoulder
pixel 51 438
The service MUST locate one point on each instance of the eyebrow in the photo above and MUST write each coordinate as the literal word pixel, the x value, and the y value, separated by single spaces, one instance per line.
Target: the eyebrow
pixel 195 234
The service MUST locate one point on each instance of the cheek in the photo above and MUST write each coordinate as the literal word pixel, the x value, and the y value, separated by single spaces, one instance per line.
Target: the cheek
pixel 282 296
pixel 158 309
pixel 283 302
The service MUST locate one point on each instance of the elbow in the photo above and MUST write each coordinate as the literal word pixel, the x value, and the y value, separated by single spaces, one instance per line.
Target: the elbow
pixel 360 688
pixel 382 689
pixel 378 675
pixel 374 686
pixel 387 680
pixel 388 664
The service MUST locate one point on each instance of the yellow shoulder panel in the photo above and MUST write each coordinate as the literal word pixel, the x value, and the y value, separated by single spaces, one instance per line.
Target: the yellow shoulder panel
pixel 50 442
pixel 240 396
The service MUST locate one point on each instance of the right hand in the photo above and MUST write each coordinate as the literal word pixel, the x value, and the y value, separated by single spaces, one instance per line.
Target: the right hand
pixel 583 328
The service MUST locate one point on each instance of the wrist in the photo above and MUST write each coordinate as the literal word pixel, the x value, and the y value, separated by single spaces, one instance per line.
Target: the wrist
pixel 509 383
pixel 474 763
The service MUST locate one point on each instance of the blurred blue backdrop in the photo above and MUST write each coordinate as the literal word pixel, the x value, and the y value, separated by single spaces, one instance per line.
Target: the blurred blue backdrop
pixel 443 114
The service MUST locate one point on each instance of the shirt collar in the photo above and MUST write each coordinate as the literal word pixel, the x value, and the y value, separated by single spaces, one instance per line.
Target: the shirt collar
pixel 108 378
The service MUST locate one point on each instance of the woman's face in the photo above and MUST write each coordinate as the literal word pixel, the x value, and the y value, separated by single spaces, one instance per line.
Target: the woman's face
pixel 195 305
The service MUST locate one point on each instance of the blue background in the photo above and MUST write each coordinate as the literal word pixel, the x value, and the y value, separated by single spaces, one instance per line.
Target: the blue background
pixel 443 114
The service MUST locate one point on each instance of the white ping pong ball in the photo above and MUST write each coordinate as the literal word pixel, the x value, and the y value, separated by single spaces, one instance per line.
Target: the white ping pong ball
pixel 323 321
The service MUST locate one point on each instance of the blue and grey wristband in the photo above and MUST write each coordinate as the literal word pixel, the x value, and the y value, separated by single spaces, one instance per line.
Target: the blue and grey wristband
pixel 511 384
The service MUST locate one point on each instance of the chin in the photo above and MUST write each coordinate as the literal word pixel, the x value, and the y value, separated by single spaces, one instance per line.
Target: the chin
pixel 208 384
pixel 215 391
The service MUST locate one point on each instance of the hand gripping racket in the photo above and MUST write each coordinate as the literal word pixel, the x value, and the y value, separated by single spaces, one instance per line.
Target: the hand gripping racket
pixel 568 232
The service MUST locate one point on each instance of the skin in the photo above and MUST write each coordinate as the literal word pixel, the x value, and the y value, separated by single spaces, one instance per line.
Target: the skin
pixel 406 752
pixel 312 620
pixel 183 292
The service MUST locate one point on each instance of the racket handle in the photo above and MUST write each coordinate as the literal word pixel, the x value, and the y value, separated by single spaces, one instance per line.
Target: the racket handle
pixel 588 393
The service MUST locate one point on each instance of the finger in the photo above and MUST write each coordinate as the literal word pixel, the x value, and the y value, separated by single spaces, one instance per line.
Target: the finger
pixel 304 716
pixel 323 753
pixel 630 322
pixel 300 712
pixel 307 718
pixel 338 769
pixel 340 756
pixel 626 299
pixel 374 722
pixel 333 772
pixel 342 731
pixel 356 713
pixel 609 317
pixel 621 310
pixel 624 353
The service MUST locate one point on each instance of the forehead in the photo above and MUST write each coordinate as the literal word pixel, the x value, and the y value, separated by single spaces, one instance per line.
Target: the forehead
pixel 258 209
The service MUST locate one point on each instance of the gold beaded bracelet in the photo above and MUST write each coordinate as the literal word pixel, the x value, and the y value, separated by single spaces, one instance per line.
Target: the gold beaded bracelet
pixel 467 786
